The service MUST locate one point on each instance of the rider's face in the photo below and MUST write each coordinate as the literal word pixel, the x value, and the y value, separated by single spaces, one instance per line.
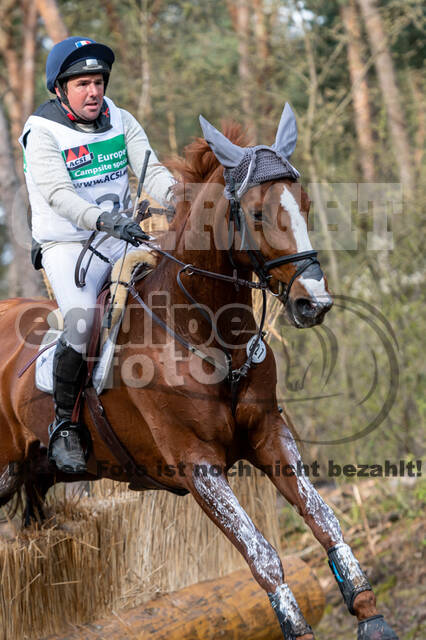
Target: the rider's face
pixel 85 95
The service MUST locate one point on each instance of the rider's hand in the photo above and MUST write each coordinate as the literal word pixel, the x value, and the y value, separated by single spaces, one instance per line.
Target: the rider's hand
pixel 121 227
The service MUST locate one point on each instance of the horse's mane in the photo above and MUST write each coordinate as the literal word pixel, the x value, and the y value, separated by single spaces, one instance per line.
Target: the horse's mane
pixel 199 162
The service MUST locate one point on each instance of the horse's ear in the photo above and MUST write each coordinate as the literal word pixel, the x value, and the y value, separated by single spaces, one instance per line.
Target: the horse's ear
pixel 286 138
pixel 228 153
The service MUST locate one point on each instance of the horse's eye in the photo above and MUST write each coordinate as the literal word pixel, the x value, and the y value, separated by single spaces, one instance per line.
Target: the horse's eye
pixel 257 215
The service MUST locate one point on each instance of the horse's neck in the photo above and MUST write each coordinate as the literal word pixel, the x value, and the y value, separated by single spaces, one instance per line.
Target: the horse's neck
pixel 222 300
pixel 195 237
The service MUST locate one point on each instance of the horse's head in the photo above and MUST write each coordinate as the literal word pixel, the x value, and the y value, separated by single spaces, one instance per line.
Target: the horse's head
pixel 270 210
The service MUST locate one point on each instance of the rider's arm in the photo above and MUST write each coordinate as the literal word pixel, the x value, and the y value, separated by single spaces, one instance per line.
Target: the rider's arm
pixel 158 180
pixel 47 168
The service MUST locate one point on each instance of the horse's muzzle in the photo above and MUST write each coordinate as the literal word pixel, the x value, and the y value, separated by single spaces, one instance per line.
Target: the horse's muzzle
pixel 308 312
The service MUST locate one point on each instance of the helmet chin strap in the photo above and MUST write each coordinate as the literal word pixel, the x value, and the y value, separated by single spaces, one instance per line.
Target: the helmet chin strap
pixel 64 100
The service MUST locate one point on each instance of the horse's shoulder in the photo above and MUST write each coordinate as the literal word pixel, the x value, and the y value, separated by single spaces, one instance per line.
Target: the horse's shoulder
pixel 11 304
pixel 21 316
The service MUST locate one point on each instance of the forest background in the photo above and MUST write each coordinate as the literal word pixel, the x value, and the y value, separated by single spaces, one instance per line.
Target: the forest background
pixel 353 73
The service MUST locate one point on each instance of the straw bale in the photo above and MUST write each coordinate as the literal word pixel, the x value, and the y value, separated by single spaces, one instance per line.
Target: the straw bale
pixel 114 549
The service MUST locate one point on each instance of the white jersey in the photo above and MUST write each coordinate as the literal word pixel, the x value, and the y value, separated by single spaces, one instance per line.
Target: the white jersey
pixel 97 164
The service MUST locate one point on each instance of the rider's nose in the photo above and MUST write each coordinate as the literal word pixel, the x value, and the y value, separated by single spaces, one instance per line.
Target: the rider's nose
pixel 308 308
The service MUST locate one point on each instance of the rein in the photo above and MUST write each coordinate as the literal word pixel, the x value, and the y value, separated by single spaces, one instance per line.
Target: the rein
pixel 260 266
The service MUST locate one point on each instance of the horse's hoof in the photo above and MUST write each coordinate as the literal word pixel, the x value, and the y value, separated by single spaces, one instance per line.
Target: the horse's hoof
pixel 375 628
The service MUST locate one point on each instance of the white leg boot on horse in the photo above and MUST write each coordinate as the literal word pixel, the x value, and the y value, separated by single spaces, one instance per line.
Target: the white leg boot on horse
pixel 217 499
pixel 273 442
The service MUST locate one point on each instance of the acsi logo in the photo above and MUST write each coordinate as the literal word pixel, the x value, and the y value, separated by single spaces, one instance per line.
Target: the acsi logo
pixel 77 157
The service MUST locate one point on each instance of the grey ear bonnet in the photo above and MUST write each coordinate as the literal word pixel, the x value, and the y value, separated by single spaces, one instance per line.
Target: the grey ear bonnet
pixel 245 167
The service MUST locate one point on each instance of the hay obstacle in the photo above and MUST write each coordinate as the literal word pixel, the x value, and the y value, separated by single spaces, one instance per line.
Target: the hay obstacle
pixel 117 549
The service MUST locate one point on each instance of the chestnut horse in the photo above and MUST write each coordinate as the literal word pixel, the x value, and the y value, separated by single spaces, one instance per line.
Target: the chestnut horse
pixel 169 406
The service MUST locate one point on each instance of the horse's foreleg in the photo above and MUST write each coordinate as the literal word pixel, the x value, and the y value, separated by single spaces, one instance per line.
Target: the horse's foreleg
pixel 217 499
pixel 273 442
pixel 38 480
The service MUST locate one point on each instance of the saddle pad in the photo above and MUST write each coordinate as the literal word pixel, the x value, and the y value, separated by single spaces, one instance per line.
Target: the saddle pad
pixel 102 376
pixel 102 373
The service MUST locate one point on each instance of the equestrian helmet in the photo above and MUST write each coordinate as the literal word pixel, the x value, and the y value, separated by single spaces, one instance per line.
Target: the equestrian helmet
pixel 76 56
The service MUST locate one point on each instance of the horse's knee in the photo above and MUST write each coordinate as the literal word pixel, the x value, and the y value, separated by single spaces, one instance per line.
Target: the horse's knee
pixel 266 565
pixel 220 502
pixel 318 515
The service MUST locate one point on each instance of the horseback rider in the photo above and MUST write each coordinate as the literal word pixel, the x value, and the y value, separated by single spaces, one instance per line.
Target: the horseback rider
pixel 77 150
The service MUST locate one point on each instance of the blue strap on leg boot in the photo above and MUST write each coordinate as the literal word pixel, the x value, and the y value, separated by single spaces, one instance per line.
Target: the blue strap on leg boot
pixel 352 581
pixel 69 443
pixel 348 573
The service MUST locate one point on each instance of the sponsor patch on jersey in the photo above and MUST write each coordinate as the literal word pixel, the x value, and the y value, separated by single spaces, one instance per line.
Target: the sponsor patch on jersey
pixel 82 43
pixel 77 157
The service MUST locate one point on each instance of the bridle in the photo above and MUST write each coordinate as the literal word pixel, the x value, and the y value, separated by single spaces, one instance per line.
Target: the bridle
pixel 260 266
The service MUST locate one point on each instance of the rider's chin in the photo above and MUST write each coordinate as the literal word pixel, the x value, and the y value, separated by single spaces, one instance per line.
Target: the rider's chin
pixel 306 313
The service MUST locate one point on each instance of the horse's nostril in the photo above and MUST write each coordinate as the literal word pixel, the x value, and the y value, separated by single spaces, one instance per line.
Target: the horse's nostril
pixel 305 307
pixel 326 305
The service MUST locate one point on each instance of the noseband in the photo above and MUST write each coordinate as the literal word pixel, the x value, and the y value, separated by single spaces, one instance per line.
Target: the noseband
pixel 260 266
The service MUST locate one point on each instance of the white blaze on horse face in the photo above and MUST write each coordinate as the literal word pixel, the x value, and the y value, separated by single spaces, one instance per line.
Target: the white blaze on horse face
pixel 315 288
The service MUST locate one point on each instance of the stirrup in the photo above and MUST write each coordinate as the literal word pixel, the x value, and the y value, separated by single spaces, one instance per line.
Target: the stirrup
pixel 62 429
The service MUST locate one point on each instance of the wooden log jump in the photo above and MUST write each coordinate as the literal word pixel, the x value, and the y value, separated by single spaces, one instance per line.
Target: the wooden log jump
pixel 233 607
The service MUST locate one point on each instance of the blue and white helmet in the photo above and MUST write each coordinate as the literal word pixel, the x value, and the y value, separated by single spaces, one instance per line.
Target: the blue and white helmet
pixel 77 56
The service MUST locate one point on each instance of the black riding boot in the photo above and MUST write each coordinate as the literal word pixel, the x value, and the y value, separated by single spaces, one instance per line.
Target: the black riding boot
pixel 65 447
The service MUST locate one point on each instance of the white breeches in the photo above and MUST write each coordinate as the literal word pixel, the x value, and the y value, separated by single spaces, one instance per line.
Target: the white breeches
pixel 78 305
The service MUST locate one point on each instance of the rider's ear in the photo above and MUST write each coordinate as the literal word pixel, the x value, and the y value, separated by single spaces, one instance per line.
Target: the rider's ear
pixel 228 153
pixel 286 138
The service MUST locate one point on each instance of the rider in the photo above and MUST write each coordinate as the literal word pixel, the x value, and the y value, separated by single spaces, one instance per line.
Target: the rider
pixel 77 150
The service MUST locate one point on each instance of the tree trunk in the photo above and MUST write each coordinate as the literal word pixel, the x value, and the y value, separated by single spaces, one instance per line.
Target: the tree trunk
pixel 23 280
pixel 262 67
pixel 55 26
pixel 116 28
pixel 172 131
pixel 391 96
pixel 415 78
pixel 359 89
pixel 242 27
pixel 229 607
pixel 28 59
pixel 145 104
pixel 13 81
